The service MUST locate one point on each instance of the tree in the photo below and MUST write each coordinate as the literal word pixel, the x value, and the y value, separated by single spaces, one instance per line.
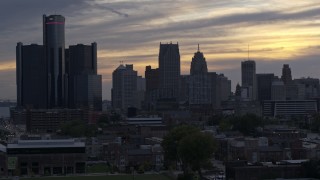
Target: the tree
pixel 246 124
pixel 196 149
pixel 171 140
pixel 78 129
pixel 187 145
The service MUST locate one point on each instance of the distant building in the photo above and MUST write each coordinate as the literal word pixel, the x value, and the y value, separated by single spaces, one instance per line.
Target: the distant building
pixel 264 86
pixel 31 76
pixel 198 63
pixel 84 85
pixel 289 108
pixel 140 93
pixel 295 91
pixel 224 85
pixel 151 121
pixel 50 120
pixel 248 76
pixel 286 74
pixel 52 77
pixel 54 44
pixel 46 157
pixel 169 71
pixel 184 89
pixel 278 90
pixel 311 87
pixel 220 88
pixel 124 87
pixel 199 81
pixel 3 161
pixel 152 87
pixel 266 170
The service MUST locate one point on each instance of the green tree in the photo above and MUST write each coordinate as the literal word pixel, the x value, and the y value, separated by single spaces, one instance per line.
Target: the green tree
pixel 187 145
pixel 247 123
pixel 196 149
pixel 172 139
pixel 78 129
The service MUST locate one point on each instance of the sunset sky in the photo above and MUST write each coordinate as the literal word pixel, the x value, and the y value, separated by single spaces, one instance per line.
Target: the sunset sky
pixel 278 32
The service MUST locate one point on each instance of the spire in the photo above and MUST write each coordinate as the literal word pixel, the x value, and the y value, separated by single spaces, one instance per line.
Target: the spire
pixel 198 48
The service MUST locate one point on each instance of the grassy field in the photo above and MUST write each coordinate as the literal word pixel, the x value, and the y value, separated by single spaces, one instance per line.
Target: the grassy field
pixel 110 177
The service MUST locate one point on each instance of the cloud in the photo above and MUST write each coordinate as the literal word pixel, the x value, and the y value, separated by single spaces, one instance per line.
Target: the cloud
pixel 130 31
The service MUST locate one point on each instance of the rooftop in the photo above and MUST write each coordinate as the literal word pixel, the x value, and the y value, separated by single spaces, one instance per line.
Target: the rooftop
pixel 46 143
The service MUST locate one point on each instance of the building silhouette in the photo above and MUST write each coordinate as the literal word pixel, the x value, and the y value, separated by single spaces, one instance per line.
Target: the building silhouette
pixel 278 90
pixel 51 78
pixel 152 87
pixel 124 87
pixel 264 85
pixel 311 87
pixel 199 81
pixel 54 44
pixel 31 76
pixel 198 63
pixel 248 76
pixel 286 74
pixel 169 71
pixel 84 85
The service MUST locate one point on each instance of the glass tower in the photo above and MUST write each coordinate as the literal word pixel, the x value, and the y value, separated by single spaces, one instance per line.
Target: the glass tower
pixel 54 43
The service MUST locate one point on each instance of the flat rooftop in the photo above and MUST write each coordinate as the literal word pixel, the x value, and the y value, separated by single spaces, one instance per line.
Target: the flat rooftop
pixel 46 144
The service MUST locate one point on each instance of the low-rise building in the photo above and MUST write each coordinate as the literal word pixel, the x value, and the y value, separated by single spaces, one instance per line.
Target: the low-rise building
pixel 46 157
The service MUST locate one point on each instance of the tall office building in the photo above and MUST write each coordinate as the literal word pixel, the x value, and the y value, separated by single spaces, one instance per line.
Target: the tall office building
pixel 45 79
pixel 54 44
pixel 84 85
pixel 248 75
pixel 45 73
pixel 124 87
pixel 31 76
pixel 169 71
pixel 152 87
pixel 198 63
pixel 264 84
pixel 199 81
pixel 140 94
pixel 286 74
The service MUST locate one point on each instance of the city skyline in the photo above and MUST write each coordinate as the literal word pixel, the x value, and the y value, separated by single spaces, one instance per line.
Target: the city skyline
pixel 130 31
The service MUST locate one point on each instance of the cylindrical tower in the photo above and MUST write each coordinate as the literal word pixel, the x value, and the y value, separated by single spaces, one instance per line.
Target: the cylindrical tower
pixel 54 42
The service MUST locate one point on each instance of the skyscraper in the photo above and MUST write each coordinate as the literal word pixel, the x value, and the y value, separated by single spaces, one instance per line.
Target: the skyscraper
pixel 286 74
pixel 124 87
pixel 198 63
pixel 152 87
pixel 84 85
pixel 54 44
pixel 248 75
pixel 31 76
pixel 45 79
pixel 169 71
pixel 199 81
